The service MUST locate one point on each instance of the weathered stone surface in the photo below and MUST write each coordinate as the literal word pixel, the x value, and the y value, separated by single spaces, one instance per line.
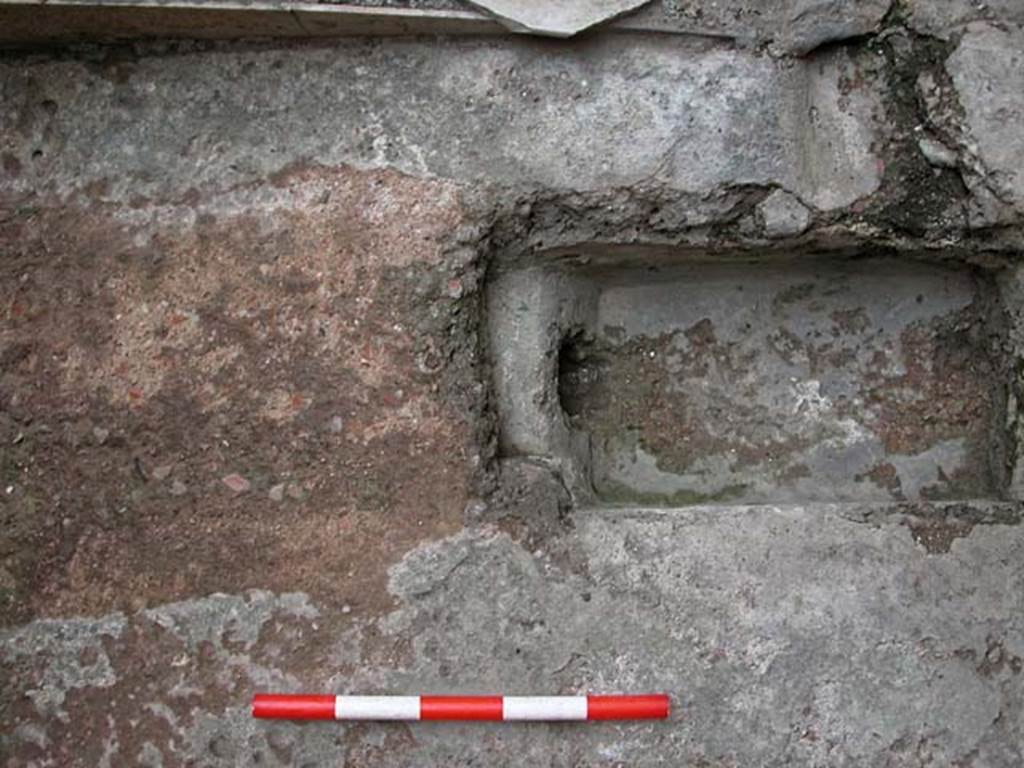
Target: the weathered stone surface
pixel 793 27
pixel 784 638
pixel 987 68
pixel 810 23
pixel 652 111
pixel 937 153
pixel 947 18
pixel 783 215
pixel 529 314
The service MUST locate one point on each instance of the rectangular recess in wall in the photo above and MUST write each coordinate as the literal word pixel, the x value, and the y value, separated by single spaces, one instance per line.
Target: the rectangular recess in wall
pixel 811 380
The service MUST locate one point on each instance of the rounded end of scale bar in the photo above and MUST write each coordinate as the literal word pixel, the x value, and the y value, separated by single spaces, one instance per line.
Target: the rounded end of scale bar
pixel 292 706
pixel 655 706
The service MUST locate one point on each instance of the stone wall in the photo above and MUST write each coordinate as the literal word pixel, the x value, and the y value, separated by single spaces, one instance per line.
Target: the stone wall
pixel 254 431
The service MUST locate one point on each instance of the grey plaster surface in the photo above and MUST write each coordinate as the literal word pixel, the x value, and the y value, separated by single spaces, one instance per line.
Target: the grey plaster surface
pixel 786 635
pixel 654 110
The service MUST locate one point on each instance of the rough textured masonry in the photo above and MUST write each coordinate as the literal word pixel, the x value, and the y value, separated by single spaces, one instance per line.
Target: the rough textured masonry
pixel 686 360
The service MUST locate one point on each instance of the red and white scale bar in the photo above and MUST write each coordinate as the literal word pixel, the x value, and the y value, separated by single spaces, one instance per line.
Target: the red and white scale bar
pixel 550 708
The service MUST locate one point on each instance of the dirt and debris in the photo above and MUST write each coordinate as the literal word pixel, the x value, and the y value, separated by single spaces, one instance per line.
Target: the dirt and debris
pixel 145 367
pixel 937 536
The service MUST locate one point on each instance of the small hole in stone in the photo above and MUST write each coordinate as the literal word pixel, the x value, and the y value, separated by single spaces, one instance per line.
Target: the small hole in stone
pixel 576 373
pixel 37 154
